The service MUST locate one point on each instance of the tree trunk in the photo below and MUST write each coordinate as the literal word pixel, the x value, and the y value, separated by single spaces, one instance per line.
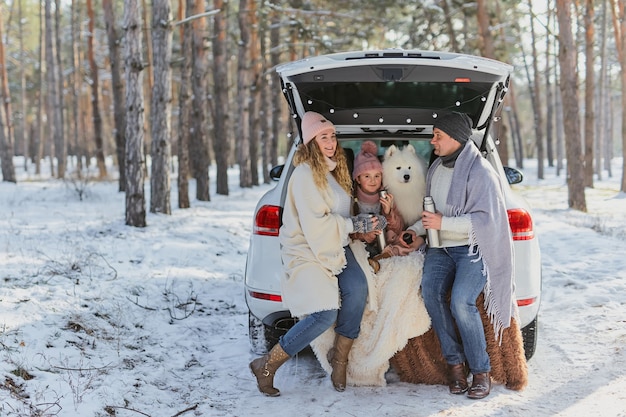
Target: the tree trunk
pixel 619 22
pixel 184 105
pixel 264 113
pixel 589 93
pixel 119 108
pixel 484 28
pixel 149 78
pixel 569 93
pixel 535 86
pixel 23 128
pixel 135 198
pixel 160 188
pixel 257 85
pixel 550 69
pixel 221 103
pixel 602 121
pixel 61 143
pixel 199 138
pixel 39 144
pixel 275 93
pixel 6 129
pixel 75 86
pixel 52 96
pixel 95 93
pixel 242 126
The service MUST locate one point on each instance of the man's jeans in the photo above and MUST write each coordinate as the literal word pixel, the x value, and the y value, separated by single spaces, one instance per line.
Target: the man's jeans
pixel 452 268
pixel 353 292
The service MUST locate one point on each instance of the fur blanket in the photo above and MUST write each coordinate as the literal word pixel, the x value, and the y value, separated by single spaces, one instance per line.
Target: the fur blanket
pixel 398 333
pixel 421 361
pixel 399 301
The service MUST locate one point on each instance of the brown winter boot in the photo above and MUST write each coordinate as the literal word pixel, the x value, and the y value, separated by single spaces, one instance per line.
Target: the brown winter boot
pixel 374 264
pixel 481 386
pixel 338 358
pixel 457 378
pixel 383 255
pixel 265 367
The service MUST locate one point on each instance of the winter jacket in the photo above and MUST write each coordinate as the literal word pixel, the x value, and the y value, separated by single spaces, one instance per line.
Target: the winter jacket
pixel 312 240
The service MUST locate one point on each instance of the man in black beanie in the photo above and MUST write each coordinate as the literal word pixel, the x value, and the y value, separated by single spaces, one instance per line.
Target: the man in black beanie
pixel 475 254
pixel 457 126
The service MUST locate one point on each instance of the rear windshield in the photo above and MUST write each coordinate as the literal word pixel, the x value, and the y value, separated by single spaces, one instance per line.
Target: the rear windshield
pixel 431 96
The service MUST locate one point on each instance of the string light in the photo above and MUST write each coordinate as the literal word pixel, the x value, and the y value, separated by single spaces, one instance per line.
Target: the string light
pixel 381 120
pixel 355 115
pixel 408 120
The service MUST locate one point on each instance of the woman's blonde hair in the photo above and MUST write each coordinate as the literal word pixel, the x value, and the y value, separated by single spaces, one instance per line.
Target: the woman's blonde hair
pixel 312 155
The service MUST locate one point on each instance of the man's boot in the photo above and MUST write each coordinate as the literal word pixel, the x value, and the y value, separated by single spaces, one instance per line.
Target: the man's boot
pixel 481 386
pixel 265 367
pixel 338 358
pixel 457 378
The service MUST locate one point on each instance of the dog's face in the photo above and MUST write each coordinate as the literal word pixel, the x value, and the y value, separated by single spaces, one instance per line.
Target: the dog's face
pixel 400 164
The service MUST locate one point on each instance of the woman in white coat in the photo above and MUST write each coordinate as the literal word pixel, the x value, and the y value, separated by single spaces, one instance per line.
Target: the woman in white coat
pixel 323 283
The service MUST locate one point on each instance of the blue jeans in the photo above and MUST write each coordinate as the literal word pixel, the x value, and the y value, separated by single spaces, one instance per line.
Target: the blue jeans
pixel 353 293
pixel 453 269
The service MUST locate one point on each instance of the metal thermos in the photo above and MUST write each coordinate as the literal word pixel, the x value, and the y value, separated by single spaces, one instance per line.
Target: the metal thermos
pixel 433 234
pixel 381 237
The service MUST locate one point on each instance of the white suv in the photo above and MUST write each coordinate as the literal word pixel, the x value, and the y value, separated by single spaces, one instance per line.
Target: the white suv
pixel 390 97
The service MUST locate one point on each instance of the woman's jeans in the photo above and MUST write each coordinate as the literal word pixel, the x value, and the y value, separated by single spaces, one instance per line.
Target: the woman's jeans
pixel 353 292
pixel 452 268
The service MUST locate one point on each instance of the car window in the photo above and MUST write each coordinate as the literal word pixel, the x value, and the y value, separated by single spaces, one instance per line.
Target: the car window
pixel 422 147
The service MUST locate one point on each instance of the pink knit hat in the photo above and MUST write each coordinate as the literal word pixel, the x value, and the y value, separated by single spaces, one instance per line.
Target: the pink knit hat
pixel 313 124
pixel 366 159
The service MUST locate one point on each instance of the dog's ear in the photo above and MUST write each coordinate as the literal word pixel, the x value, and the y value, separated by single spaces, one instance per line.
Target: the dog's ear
pixel 410 148
pixel 390 151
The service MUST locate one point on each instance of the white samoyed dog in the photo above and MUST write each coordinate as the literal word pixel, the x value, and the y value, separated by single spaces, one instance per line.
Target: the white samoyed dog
pixel 404 176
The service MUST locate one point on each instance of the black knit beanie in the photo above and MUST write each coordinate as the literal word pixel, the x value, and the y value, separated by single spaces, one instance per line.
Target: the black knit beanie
pixel 457 125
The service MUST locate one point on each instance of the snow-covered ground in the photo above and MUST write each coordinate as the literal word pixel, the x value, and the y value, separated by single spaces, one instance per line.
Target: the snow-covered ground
pixel 100 319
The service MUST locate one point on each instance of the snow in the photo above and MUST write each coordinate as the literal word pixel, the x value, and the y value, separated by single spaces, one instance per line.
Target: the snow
pixel 101 319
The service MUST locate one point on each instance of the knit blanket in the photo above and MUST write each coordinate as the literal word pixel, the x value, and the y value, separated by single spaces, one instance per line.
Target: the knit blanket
pixel 400 316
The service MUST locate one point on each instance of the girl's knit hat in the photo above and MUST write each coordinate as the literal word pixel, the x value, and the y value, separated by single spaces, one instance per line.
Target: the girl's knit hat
pixel 366 159
pixel 314 124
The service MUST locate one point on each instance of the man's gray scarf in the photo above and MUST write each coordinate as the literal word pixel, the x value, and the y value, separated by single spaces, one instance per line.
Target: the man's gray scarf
pixel 476 190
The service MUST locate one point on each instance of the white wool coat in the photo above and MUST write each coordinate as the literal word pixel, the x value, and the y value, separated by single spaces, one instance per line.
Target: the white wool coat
pixel 312 238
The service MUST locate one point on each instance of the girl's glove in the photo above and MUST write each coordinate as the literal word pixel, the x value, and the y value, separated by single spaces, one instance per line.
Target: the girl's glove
pixel 363 223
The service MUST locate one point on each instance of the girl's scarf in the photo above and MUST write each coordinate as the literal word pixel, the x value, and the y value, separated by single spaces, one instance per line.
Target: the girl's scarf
pixel 365 197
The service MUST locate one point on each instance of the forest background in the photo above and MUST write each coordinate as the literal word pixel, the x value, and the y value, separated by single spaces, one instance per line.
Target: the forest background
pixel 169 88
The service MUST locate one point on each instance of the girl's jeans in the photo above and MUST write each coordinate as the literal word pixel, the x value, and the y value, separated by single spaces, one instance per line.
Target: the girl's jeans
pixel 452 268
pixel 353 292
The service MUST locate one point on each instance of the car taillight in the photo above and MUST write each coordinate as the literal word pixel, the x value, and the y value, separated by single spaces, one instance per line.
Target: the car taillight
pixel 521 224
pixel 267 221
pixel 526 301
pixel 266 296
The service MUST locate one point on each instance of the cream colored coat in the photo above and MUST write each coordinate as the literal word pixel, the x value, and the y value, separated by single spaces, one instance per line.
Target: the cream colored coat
pixel 312 238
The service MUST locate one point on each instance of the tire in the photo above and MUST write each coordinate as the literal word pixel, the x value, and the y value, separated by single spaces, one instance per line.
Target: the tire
pixel 529 335
pixel 256 333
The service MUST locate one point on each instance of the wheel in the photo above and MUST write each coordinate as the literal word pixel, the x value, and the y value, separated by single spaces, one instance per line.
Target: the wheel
pixel 529 335
pixel 256 333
